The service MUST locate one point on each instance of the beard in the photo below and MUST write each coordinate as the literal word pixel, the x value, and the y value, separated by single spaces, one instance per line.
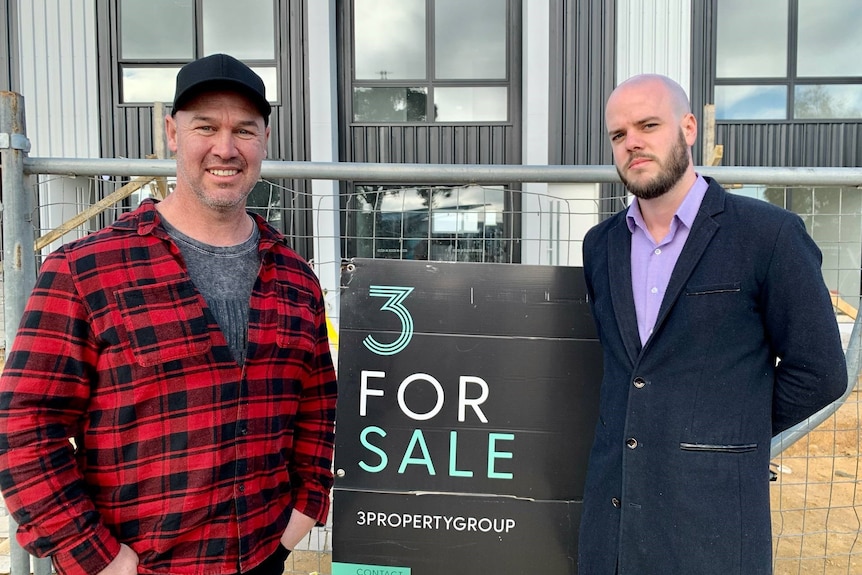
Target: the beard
pixel 215 196
pixel 672 172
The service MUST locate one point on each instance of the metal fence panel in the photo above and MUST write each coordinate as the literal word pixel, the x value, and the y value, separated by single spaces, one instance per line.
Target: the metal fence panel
pixel 816 496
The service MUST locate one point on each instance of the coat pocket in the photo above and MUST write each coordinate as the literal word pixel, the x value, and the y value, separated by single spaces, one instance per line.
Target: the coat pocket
pixel 711 289
pixel 718 447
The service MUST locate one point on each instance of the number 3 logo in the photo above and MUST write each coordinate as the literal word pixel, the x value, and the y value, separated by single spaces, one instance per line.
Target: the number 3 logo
pixel 394 304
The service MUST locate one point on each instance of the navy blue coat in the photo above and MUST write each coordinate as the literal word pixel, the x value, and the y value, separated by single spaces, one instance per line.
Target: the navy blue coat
pixel 678 474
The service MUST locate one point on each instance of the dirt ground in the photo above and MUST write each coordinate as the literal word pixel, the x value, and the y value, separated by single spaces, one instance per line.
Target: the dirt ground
pixel 817 499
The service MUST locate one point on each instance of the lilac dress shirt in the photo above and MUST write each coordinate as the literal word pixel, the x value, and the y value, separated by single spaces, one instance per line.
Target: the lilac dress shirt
pixel 653 262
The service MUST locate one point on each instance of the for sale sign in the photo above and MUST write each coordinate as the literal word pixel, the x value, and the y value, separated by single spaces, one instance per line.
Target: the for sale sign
pixel 468 394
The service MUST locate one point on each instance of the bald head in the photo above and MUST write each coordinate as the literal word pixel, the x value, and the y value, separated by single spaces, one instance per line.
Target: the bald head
pixel 660 86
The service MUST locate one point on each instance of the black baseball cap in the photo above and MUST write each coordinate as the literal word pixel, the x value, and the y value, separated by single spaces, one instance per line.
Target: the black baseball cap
pixel 216 73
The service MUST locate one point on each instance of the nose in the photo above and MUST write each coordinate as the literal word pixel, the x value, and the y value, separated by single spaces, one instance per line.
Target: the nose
pixel 633 141
pixel 224 145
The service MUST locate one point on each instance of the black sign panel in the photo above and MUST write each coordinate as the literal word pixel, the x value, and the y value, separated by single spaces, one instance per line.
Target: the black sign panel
pixel 468 394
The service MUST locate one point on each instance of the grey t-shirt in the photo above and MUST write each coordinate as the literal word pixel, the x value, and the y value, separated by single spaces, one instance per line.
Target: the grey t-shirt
pixel 225 276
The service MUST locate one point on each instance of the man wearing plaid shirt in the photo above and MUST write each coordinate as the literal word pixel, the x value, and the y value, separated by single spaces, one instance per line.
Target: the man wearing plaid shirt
pixel 183 349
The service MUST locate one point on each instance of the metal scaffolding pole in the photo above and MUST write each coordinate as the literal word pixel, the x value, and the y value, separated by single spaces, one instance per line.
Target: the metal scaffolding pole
pixel 446 173
pixel 19 265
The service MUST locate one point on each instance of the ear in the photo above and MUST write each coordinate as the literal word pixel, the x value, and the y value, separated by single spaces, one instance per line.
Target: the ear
pixel 689 128
pixel 171 132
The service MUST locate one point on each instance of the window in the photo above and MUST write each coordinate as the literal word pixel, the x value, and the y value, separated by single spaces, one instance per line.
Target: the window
pixel 156 37
pixel 465 224
pixel 788 60
pixel 430 61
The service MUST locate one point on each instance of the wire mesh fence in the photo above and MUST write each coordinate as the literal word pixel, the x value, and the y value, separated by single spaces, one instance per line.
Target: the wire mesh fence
pixel 816 492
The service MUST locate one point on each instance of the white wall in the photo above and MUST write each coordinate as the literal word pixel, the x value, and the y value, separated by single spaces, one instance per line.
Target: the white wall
pixel 323 104
pixel 555 217
pixel 534 122
pixel 536 82
pixel 60 86
pixel 59 77
pixel 654 37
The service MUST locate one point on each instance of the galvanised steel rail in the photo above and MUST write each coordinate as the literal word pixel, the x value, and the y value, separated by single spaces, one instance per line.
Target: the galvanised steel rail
pixel 447 173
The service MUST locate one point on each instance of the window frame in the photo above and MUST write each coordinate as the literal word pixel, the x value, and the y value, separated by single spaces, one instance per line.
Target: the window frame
pixel 198 52
pixel 510 240
pixel 430 82
pixel 790 80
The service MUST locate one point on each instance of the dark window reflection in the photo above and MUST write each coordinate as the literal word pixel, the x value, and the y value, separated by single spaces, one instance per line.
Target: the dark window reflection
pixel 466 224
pixel 390 104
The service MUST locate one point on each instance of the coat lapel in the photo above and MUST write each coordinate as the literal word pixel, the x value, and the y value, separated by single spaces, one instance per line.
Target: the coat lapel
pixel 620 276
pixel 701 234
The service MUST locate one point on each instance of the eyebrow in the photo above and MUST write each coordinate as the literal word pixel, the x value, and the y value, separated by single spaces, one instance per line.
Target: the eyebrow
pixel 640 122
pixel 647 120
pixel 204 118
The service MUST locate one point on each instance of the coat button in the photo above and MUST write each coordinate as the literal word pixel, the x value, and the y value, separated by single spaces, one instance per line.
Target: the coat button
pixel 639 382
pixel 615 502
pixel 631 442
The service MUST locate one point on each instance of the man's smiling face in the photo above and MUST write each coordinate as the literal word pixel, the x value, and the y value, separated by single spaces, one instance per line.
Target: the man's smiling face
pixel 220 141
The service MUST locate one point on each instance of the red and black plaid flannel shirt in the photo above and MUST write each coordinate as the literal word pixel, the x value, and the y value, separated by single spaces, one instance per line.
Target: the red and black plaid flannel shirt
pixel 181 454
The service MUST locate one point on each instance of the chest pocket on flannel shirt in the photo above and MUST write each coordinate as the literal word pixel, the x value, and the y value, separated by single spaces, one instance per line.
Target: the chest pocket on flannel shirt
pixel 164 322
pixel 296 310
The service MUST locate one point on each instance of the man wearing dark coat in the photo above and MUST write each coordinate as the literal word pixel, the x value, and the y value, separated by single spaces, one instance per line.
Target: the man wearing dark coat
pixel 717 332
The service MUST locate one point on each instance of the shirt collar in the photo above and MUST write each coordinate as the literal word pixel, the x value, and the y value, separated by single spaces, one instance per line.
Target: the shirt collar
pixel 685 213
pixel 146 221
